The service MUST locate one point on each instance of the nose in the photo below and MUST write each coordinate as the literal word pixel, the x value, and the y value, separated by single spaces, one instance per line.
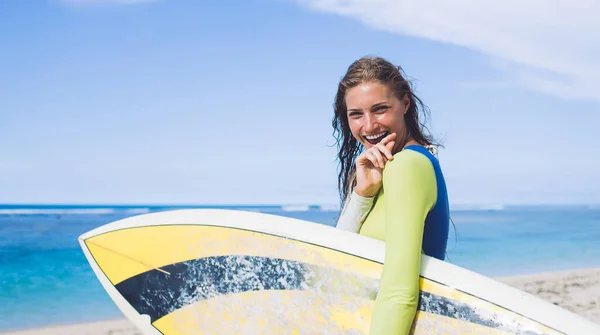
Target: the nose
pixel 370 123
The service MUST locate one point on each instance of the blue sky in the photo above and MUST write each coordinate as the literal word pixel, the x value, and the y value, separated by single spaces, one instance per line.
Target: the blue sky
pixel 230 102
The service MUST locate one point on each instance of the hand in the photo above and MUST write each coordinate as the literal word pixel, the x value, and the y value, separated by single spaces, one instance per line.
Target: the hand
pixel 370 164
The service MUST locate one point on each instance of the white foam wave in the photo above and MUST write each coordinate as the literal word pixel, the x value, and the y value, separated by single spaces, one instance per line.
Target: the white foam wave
pixel 329 208
pixel 295 208
pixel 71 211
pixel 477 207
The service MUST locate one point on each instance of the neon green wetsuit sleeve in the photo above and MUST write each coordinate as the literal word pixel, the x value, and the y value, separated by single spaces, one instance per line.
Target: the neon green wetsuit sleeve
pixel 410 191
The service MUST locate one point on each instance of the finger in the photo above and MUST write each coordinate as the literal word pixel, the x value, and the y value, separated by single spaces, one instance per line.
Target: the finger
pixel 378 157
pixel 363 158
pixel 385 150
pixel 371 158
pixel 390 146
pixel 388 138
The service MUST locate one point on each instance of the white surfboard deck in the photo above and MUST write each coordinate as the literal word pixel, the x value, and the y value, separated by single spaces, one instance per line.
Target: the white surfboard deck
pixel 201 271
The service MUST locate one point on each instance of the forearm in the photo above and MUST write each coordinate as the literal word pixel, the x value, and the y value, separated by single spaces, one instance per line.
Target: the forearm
pixel 354 212
pixel 397 299
pixel 398 295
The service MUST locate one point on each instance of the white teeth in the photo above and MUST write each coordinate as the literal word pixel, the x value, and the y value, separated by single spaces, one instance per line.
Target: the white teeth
pixel 372 137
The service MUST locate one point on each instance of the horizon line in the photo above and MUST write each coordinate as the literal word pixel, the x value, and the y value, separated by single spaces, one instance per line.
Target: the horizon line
pixel 266 204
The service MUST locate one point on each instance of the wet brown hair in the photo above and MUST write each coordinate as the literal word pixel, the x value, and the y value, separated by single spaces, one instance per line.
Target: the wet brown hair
pixel 364 70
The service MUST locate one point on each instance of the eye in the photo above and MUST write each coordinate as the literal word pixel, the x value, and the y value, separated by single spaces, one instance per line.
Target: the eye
pixel 354 114
pixel 380 109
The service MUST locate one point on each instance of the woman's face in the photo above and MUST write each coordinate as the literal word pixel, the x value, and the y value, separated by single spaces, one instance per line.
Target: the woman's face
pixel 374 112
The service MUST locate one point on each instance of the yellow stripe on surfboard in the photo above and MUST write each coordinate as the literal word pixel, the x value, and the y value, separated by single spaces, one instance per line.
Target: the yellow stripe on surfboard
pixel 268 312
pixel 125 253
pixel 272 312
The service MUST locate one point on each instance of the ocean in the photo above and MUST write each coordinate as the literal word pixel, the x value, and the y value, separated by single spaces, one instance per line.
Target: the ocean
pixel 46 280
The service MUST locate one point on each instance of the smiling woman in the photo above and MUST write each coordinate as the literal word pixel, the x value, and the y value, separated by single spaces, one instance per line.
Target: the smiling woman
pixel 391 185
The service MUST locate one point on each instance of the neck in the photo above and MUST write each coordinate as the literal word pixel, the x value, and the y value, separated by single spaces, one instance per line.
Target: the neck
pixel 411 142
pixel 407 140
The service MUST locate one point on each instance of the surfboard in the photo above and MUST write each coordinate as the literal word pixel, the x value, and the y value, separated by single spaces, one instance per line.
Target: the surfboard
pixel 217 271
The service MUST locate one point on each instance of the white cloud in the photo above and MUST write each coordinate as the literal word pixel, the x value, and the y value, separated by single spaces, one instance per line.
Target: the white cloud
pixel 553 46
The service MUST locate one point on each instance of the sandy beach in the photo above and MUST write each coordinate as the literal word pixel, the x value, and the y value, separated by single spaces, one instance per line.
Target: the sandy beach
pixel 577 291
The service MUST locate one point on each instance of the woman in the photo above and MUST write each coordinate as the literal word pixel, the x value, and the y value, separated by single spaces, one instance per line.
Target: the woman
pixel 394 189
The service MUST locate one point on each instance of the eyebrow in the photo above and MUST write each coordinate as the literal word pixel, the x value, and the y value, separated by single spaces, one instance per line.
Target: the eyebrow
pixel 374 106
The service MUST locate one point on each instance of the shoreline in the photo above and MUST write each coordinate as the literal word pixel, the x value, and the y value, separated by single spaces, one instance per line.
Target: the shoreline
pixel 103 327
pixel 576 290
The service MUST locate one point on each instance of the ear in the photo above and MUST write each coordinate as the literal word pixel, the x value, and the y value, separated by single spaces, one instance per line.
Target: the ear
pixel 406 102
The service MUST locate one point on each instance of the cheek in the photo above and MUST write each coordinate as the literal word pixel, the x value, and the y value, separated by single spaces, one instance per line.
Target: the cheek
pixel 396 120
pixel 354 126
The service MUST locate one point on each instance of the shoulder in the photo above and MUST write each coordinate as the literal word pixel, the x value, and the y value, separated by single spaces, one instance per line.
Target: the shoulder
pixel 408 161
pixel 411 176
pixel 412 169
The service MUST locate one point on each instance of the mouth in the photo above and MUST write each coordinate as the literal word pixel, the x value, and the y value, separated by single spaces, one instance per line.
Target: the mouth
pixel 376 138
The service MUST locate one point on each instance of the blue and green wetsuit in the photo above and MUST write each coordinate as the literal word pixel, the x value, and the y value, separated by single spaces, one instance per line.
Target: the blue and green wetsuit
pixel 411 215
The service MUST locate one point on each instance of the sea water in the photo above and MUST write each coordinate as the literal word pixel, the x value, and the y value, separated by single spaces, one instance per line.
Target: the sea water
pixel 46 280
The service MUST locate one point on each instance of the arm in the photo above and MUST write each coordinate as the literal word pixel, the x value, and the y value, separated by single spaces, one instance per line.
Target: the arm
pixel 354 212
pixel 410 191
